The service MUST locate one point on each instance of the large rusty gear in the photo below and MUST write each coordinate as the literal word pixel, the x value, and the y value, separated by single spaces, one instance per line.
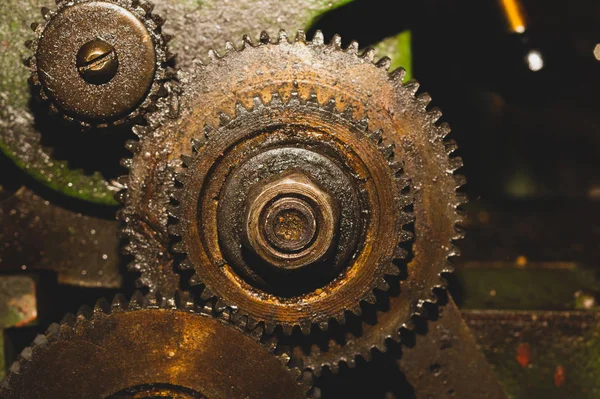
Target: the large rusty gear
pixel 295 181
pixel 99 63
pixel 150 348
pixel 365 91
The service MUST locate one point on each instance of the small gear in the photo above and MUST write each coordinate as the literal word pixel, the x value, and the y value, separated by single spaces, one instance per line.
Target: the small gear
pixel 304 75
pixel 149 348
pixel 99 63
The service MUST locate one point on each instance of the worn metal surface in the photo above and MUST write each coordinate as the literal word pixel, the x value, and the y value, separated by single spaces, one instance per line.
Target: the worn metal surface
pixel 145 347
pixel 275 139
pixel 541 354
pixel 70 39
pixel 356 85
pixel 196 26
pixel 39 235
pixel 447 363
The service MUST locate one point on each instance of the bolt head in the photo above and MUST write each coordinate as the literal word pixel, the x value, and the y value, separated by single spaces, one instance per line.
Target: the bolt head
pixel 291 222
pixel 97 62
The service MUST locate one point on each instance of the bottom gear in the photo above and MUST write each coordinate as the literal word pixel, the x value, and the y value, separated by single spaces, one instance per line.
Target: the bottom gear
pixel 144 350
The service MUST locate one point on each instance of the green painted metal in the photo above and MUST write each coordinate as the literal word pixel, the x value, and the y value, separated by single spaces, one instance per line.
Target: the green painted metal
pixel 537 286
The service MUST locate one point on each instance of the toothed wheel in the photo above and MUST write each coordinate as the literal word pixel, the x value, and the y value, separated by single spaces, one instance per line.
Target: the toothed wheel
pixel 290 212
pixel 99 62
pixel 271 175
pixel 149 349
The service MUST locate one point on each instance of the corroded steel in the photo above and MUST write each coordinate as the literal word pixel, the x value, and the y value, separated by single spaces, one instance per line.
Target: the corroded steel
pixel 148 347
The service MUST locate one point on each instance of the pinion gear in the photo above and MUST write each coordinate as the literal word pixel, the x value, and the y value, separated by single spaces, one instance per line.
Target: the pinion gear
pixel 99 63
pixel 296 70
pixel 149 348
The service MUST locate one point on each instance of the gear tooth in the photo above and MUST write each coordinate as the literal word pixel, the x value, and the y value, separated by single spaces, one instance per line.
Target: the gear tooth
pixel 213 55
pixel 206 293
pixel 294 100
pixel 384 63
pixel 397 76
pixel 312 100
pixel 224 119
pixel 126 163
pixel 153 300
pixel 197 144
pixel 30 44
pixel 368 54
pixel 119 303
pixel 102 306
pixel 34 26
pixel 412 87
pixel 392 270
pixel 300 36
pixel 282 37
pixel 184 300
pixel 348 113
pixel 240 110
pixel 400 253
pixel 363 125
pixel 305 326
pixel 434 114
pixel 133 146
pixel 287 329
pixel 247 41
pixel 46 13
pixel 27 61
pixel 376 136
pixel 424 99
pixel 68 320
pixel 382 285
pixel 352 48
pixel 331 105
pixel 455 163
pixel 318 39
pixel 257 102
pixel 167 38
pixel 336 42
pixel 138 301
pixel 187 160
pixel 323 325
pixel 84 313
pixel 370 298
pixel 444 129
pixel 264 37
pixel 388 151
pixel 220 305
pixel 229 47
pixel 269 327
pixel 451 146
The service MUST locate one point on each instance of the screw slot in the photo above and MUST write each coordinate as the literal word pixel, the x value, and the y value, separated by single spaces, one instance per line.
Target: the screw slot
pixel 97 62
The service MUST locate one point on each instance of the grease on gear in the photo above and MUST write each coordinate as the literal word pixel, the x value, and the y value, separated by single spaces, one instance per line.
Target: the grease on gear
pixel 149 348
pixel 305 75
pixel 99 62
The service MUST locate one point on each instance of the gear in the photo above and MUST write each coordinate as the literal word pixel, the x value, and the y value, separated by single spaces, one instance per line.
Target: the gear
pixel 149 348
pixel 308 201
pixel 305 76
pixel 99 62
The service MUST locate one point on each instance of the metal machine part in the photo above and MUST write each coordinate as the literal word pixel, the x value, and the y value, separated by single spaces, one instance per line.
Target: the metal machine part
pixel 148 348
pixel 111 51
pixel 369 125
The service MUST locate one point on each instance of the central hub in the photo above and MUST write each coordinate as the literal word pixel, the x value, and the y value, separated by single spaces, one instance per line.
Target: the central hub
pixel 291 222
